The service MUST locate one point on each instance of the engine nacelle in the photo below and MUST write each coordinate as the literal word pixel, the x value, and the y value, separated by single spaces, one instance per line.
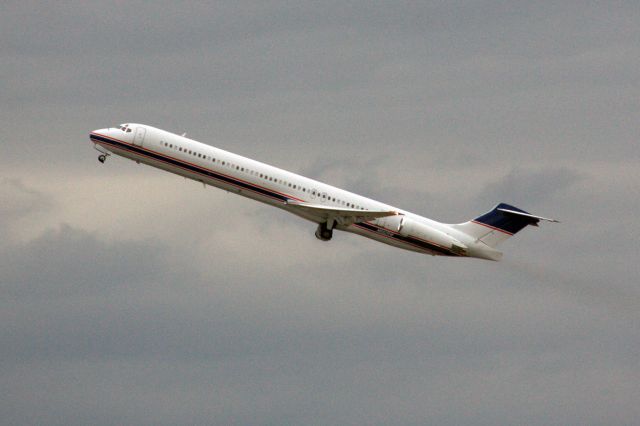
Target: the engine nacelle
pixel 391 223
pixel 410 228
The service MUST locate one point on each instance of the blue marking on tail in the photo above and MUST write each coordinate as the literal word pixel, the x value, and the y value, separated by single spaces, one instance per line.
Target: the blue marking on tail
pixel 504 221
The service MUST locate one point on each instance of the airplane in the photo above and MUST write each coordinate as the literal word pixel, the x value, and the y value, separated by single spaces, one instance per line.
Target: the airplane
pixel 329 207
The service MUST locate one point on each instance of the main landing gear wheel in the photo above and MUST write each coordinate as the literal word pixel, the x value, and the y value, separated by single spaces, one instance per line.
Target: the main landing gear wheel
pixel 323 233
pixel 102 158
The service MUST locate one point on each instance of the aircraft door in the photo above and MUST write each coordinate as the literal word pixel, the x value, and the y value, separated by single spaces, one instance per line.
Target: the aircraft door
pixel 139 136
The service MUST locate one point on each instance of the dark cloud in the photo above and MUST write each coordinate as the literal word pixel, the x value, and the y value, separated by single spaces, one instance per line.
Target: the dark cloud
pixel 133 297
pixel 386 342
pixel 68 261
pixel 530 187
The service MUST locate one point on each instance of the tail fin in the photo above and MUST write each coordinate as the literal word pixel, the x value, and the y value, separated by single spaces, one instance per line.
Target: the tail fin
pixel 502 222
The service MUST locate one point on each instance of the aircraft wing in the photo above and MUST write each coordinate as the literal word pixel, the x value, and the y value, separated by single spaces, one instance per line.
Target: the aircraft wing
pixel 343 216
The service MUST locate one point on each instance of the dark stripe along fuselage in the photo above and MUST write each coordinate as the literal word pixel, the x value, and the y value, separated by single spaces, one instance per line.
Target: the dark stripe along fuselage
pixel 372 230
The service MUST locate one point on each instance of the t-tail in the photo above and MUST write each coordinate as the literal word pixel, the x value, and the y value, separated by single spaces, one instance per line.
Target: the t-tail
pixel 494 227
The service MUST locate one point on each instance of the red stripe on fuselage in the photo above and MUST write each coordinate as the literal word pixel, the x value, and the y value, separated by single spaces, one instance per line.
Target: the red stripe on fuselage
pixel 252 184
pixel 402 241
pixel 492 227
pixel 201 167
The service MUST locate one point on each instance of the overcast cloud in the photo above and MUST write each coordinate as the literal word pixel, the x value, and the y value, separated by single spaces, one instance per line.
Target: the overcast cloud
pixel 132 296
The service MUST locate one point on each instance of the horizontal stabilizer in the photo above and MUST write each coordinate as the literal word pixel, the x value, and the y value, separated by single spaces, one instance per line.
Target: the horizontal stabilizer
pixel 521 213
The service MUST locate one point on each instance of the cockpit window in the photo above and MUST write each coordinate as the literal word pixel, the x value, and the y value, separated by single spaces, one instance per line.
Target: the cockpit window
pixel 124 128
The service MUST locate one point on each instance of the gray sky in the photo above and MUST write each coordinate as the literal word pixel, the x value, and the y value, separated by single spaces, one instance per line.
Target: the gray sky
pixel 131 296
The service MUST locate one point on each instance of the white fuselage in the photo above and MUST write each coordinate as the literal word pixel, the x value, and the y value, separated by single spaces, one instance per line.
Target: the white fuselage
pixel 273 186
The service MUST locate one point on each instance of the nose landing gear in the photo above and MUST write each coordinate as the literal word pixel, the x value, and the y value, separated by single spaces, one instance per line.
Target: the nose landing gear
pixel 103 154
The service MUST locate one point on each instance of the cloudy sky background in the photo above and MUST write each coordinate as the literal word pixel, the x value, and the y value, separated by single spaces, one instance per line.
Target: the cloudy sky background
pixel 132 296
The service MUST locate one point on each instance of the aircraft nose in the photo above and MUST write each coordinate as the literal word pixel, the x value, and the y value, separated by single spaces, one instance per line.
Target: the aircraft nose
pixel 93 135
pixel 98 132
